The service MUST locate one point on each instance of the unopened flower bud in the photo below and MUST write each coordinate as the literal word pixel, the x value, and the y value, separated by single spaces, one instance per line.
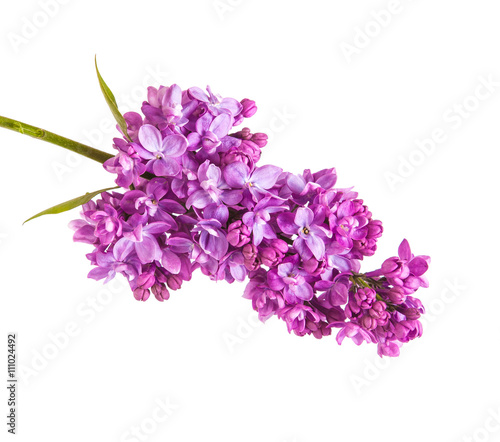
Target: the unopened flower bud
pixel 250 252
pixel 238 234
pixel 368 322
pixel 269 257
pixel 160 291
pixel 141 294
pixel 145 280
pixel 243 134
pixel 249 107
pixel 174 282
pixel 411 313
pixel 259 139
pixel 396 295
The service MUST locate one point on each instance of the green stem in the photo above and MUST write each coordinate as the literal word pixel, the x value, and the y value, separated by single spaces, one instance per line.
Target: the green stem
pixel 49 137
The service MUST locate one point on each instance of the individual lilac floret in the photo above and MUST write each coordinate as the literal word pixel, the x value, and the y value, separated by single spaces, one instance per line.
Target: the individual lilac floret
pixel 215 103
pixel 405 271
pixel 210 188
pixel 127 164
pixel 161 152
pixel 143 241
pixel 257 182
pixel 164 106
pixel 311 234
pixel 353 331
pixel 108 226
pixel 289 278
pixel 297 316
pixel 265 301
pixel 258 219
pixel 119 260
pixel 212 239
pixel 210 132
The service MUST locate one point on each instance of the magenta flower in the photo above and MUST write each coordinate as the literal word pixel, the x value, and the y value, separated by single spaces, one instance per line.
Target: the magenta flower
pixel 108 226
pixel 311 234
pixel 164 106
pixel 127 164
pixel 304 187
pixel 232 267
pixel 335 292
pixel 353 331
pixel 299 240
pixel 143 241
pixel 289 278
pixel 118 261
pixel 215 103
pixel 212 239
pixel 210 188
pixel 348 224
pixel 160 152
pixel 152 203
pixel 406 271
pixel 258 220
pixel 239 176
pixel 297 316
pixel 210 132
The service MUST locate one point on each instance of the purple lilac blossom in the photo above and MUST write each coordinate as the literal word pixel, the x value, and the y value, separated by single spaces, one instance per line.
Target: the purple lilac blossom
pixel 194 197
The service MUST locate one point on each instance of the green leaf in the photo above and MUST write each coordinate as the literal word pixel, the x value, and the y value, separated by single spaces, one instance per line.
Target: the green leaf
pixel 71 204
pixel 110 99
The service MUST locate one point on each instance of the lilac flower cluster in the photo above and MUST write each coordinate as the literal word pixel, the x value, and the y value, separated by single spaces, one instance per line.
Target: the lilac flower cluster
pixel 196 198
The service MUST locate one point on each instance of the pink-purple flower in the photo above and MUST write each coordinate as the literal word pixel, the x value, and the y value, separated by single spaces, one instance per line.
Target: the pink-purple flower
pixel 161 152
pixel 194 197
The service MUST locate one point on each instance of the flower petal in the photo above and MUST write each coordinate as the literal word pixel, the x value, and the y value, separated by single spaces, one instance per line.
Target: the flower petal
pixel 150 138
pixel 232 105
pixel 166 167
pixel 316 246
pixel 304 291
pixel 266 176
pixel 199 199
pixel 286 222
pixel 174 145
pixel 147 250
pixel 236 174
pixel 198 94
pixel 418 266
pixel 122 249
pixel 171 262
pixel 304 217
pixel 221 125
pixel 404 250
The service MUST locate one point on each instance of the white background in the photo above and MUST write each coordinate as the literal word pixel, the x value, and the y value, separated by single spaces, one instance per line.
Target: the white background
pixel 328 96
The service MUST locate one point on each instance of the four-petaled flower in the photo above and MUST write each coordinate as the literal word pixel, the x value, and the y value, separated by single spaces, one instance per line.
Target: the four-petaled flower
pixel 160 151
pixel 311 234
